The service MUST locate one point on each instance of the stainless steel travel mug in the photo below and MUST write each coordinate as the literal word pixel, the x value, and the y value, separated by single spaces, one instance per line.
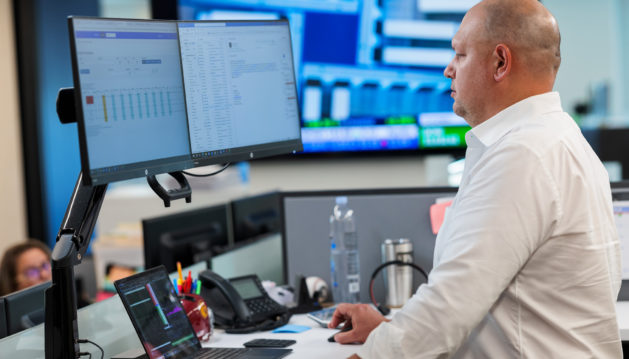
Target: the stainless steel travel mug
pixel 398 280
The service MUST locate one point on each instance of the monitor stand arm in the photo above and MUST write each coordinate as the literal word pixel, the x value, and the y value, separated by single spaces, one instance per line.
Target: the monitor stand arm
pixel 61 326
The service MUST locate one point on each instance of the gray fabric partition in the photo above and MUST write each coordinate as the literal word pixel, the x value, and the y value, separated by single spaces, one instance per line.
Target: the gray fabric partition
pixel 381 214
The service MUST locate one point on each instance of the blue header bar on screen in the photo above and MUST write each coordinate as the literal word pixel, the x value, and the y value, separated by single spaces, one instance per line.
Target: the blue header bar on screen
pixel 126 35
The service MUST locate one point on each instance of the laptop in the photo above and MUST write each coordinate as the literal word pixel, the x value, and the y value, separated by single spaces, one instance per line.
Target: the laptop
pixel 162 325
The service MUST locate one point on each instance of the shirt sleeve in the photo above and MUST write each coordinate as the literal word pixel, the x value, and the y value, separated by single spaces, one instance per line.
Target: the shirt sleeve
pixel 504 211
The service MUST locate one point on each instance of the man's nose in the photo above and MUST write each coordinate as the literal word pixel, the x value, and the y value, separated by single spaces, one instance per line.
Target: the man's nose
pixel 448 72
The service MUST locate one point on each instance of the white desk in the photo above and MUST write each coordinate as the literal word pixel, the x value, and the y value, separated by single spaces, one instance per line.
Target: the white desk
pixel 312 343
pixel 107 323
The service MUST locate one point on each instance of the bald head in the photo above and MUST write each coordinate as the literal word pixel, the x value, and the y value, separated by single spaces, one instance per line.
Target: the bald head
pixel 528 28
pixel 505 51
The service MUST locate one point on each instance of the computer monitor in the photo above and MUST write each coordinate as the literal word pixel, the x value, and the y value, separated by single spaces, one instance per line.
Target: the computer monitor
pixel 256 215
pixel 25 308
pixel 380 214
pixel 188 237
pixel 3 320
pixel 163 96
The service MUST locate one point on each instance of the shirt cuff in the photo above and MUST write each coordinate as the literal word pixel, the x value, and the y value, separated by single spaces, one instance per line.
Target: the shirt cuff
pixel 383 342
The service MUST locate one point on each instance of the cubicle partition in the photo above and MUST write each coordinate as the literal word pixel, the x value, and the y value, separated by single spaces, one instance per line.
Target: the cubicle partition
pixel 620 197
pixel 380 214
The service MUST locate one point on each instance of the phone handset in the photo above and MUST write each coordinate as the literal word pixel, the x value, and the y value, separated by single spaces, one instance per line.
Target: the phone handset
pixel 241 305
pixel 211 280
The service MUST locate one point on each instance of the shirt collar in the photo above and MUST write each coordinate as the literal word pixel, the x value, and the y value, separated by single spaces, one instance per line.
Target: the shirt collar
pixel 490 131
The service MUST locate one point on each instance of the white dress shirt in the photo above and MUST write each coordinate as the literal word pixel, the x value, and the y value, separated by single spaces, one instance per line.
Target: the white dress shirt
pixel 527 262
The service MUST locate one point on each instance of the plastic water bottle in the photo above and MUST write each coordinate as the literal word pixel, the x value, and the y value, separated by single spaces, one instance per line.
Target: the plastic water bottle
pixel 344 260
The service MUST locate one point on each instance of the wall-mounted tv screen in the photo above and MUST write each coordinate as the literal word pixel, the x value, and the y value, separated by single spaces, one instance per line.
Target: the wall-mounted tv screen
pixel 369 73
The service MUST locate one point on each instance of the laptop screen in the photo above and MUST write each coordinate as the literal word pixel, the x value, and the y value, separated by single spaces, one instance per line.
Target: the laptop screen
pixel 157 315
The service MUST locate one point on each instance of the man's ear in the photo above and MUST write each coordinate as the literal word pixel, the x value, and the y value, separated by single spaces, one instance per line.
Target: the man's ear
pixel 502 62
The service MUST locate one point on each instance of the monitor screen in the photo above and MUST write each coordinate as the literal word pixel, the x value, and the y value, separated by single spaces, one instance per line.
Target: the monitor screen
pixel 157 315
pixel 188 237
pixel 369 73
pixel 162 96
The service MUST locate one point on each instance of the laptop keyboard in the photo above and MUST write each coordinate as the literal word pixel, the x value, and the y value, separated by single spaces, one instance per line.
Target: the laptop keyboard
pixel 221 353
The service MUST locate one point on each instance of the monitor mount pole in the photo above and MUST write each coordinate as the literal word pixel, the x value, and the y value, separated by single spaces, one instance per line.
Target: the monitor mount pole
pixel 61 326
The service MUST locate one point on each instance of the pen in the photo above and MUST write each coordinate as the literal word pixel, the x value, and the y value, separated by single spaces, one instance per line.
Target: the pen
pixel 176 286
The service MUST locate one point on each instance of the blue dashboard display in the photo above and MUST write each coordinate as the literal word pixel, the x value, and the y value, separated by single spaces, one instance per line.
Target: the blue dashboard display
pixel 369 73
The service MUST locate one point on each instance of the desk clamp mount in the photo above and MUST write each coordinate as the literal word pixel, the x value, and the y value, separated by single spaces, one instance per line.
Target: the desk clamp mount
pixel 61 327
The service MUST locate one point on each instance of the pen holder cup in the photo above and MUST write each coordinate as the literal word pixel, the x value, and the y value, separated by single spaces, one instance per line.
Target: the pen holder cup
pixel 199 314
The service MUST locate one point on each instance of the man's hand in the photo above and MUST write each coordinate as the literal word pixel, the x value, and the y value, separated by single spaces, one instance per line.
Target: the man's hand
pixel 363 319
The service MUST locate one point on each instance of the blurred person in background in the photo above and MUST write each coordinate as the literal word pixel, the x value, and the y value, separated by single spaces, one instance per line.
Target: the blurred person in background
pixel 24 265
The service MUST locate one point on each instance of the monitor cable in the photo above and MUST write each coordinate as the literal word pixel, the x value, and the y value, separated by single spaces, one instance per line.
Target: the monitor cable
pixel 84 341
pixel 381 307
pixel 207 174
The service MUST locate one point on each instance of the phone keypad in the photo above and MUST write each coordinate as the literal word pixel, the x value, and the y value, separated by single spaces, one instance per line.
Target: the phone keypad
pixel 263 305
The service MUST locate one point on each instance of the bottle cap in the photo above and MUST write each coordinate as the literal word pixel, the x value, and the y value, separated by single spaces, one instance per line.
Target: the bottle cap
pixel 341 200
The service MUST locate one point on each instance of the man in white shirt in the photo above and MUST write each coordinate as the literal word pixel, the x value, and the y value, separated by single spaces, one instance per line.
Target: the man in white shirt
pixel 527 262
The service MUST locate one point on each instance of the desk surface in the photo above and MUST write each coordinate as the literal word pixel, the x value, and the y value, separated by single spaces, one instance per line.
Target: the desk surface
pixel 313 343
pixel 108 323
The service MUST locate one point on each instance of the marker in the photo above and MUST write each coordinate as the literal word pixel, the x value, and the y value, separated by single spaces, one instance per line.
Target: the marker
pixel 175 284
pixel 179 270
pixel 189 282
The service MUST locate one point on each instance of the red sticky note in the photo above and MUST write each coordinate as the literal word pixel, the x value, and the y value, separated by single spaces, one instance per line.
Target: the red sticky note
pixel 437 215
pixel 89 100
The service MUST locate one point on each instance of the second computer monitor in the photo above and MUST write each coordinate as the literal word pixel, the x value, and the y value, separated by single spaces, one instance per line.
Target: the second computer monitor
pixel 188 237
pixel 25 308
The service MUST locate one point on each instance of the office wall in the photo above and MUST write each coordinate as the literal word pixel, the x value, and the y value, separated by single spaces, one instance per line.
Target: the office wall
pixel 591 39
pixel 12 207
pixel 59 144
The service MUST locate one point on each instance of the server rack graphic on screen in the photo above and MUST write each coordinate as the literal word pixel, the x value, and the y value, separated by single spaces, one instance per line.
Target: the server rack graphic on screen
pixel 370 73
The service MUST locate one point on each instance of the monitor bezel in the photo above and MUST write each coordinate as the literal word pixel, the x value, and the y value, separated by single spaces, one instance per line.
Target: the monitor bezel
pixel 178 163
